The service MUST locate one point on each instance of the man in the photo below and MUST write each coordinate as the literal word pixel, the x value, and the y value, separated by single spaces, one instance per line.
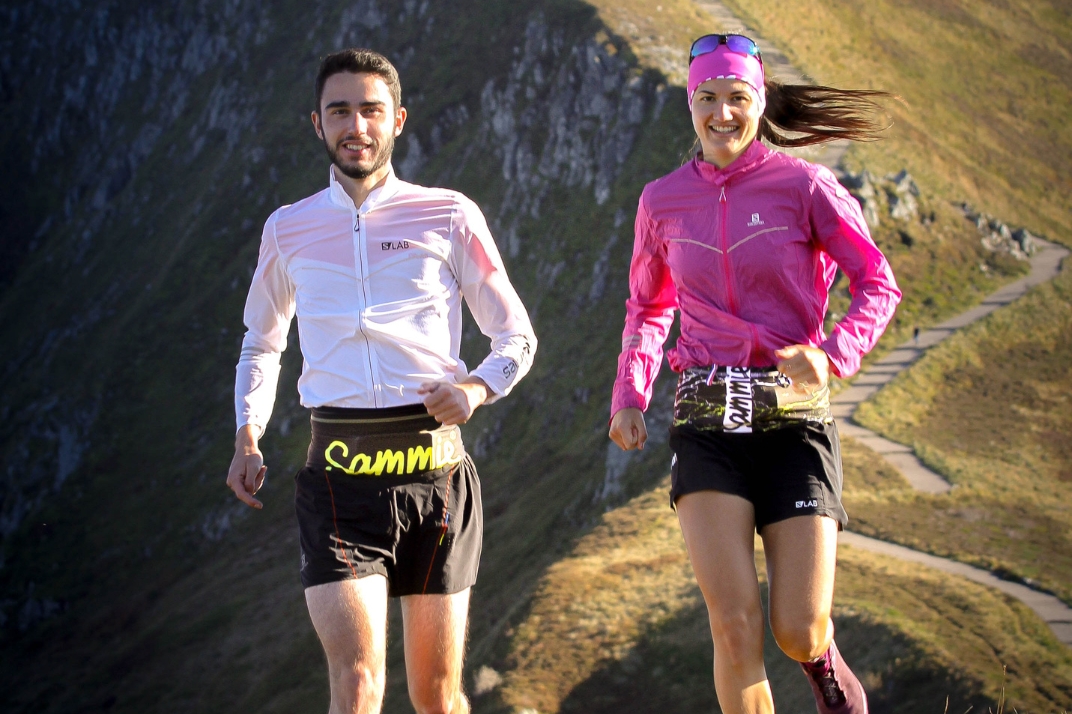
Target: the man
pixel 388 503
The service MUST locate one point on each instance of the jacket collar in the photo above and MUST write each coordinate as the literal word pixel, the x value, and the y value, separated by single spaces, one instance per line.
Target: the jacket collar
pixel 754 155
pixel 377 196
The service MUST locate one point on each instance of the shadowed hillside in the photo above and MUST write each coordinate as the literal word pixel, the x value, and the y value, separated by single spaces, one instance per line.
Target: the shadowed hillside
pixel 143 149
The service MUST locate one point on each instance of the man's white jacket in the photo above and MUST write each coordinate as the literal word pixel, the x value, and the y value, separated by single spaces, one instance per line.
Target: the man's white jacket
pixel 377 290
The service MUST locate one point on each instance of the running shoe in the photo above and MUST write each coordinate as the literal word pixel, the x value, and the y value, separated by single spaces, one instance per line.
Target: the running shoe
pixel 836 688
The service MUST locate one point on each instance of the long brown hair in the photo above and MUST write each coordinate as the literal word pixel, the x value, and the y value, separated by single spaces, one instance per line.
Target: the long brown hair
pixel 821 114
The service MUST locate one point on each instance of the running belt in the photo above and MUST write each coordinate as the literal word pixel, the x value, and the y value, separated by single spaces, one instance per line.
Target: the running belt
pixel 377 443
pixel 744 400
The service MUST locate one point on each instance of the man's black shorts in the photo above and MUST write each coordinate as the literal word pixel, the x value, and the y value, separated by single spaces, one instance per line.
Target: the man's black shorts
pixel 794 470
pixel 422 531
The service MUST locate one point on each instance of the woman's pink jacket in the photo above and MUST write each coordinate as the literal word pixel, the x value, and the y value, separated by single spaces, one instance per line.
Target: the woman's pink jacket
pixel 748 254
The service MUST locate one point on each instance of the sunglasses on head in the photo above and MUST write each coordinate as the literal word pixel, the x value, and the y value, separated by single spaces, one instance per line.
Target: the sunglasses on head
pixel 738 44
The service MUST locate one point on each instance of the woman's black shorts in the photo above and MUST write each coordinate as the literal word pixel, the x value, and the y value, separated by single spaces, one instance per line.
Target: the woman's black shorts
pixel 794 470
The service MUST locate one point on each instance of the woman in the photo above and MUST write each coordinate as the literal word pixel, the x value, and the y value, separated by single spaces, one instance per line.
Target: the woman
pixel 745 242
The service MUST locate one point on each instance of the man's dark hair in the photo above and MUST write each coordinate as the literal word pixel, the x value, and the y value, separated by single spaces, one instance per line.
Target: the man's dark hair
pixel 355 60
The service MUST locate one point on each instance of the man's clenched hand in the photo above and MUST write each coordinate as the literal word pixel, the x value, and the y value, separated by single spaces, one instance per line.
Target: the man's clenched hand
pixel 453 403
pixel 246 475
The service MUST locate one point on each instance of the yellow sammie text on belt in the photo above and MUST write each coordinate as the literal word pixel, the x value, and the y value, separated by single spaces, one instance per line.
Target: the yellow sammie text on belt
pixel 389 461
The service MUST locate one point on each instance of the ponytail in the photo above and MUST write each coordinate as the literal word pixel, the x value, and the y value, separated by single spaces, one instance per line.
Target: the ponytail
pixel 821 114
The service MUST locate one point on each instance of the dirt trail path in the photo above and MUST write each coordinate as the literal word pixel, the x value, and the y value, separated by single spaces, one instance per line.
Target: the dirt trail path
pixel 1045 264
pixel 1053 611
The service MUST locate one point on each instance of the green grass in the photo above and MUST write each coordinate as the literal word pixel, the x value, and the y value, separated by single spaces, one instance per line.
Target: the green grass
pixel 199 642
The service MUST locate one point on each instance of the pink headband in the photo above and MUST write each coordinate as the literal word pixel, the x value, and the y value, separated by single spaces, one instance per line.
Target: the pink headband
pixel 724 64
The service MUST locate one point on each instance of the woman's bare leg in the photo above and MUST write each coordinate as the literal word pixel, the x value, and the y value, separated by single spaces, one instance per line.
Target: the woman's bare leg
pixel 719 531
pixel 801 553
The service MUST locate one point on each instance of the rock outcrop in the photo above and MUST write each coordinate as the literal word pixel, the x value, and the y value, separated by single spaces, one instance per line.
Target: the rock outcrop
pixel 895 196
pixel 999 237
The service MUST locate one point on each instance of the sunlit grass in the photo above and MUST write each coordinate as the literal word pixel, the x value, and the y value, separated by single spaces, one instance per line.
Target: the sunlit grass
pixel 987 85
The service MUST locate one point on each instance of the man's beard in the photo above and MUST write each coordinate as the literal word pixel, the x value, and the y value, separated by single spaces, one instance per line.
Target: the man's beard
pixel 355 171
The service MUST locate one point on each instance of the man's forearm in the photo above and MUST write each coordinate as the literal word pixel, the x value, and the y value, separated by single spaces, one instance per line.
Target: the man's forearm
pixel 247 437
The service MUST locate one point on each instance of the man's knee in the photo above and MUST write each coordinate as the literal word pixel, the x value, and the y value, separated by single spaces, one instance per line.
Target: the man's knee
pixel 359 682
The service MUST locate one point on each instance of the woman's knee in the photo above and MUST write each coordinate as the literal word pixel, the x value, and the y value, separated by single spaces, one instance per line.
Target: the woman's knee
pixel 430 699
pixel 802 639
pixel 737 633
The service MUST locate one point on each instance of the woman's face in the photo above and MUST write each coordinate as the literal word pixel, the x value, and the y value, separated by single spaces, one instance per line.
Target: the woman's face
pixel 725 115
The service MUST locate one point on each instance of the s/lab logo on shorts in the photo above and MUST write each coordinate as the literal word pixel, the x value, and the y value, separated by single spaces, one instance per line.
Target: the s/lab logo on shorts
pixel 813 503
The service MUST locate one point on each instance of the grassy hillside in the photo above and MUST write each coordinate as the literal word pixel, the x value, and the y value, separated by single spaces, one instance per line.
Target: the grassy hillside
pixel 987 84
pixel 989 410
pixel 618 624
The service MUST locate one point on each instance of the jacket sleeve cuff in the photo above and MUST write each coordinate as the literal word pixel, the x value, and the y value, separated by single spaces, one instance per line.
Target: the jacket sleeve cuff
pixel 497 387
pixel 843 365
pixel 626 399
pixel 251 422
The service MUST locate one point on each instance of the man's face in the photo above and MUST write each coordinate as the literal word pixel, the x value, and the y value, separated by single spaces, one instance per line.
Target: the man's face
pixel 358 123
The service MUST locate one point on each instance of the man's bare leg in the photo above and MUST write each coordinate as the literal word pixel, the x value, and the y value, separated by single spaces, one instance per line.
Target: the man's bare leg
pixel 435 627
pixel 351 619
